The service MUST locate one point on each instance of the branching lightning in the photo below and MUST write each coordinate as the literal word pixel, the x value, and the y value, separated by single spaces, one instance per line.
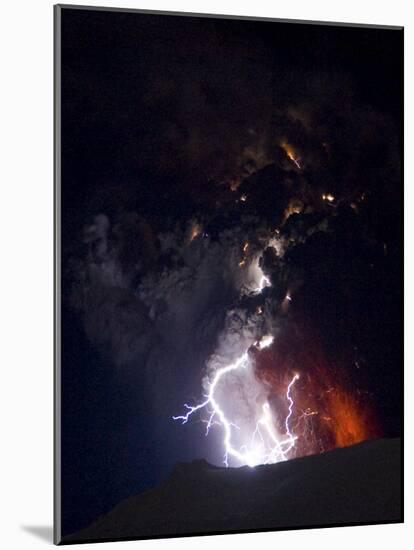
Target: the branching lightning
pixel 265 445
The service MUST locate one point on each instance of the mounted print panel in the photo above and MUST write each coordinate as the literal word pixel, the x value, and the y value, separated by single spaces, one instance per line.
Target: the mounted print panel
pixel 229 310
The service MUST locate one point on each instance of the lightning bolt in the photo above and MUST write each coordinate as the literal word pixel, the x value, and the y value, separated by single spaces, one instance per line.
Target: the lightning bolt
pixel 266 447
pixel 264 281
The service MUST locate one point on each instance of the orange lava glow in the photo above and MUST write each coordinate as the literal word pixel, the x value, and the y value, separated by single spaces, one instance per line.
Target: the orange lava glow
pixel 289 151
pixel 348 426
pixel 194 231
pixel 328 411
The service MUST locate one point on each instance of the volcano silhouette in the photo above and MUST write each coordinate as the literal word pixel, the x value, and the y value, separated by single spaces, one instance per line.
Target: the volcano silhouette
pixel 354 485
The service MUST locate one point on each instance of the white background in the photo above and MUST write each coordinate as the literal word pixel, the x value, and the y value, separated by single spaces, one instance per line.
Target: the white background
pixel 26 276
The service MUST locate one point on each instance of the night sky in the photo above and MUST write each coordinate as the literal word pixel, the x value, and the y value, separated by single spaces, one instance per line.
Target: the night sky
pixel 179 136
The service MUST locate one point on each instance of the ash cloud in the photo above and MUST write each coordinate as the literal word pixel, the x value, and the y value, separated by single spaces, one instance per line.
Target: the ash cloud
pixel 152 285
